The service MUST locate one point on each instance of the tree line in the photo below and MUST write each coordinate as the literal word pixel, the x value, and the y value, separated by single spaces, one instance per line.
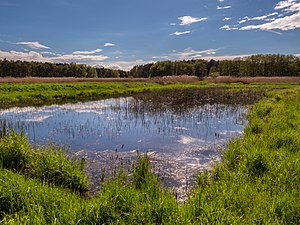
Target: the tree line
pixel 255 65
pixel 9 68
pixel 198 68
pixel 261 65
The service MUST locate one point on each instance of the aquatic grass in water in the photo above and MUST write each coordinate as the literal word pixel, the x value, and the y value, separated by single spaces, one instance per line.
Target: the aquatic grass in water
pixel 183 129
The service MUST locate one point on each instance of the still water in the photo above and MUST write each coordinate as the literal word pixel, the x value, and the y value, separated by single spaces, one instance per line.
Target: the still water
pixel 180 138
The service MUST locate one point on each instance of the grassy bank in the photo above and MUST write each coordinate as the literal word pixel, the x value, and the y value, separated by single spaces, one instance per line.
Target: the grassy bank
pixel 258 181
pixel 36 94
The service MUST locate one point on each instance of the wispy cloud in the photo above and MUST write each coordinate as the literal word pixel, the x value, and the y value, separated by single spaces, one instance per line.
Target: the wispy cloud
pixel 33 45
pixel 189 53
pixel 164 57
pixel 108 44
pixel 78 58
pixel 178 33
pixel 285 17
pixel 264 17
pixel 224 7
pixel 227 27
pixel 286 23
pixel 226 19
pixel 87 52
pixel 188 20
pixel 288 6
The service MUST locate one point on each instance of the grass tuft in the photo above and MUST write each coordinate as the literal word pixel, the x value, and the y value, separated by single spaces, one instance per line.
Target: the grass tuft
pixel 47 165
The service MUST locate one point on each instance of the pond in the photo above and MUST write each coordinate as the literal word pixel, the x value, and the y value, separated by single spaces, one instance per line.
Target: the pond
pixel 182 130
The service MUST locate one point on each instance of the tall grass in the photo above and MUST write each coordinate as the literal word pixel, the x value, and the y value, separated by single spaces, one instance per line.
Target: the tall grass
pixel 259 180
pixel 49 164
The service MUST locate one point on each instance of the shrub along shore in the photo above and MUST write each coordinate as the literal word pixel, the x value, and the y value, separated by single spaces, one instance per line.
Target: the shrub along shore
pixel 257 182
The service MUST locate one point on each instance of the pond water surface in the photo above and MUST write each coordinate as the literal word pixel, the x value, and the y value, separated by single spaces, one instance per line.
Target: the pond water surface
pixel 180 138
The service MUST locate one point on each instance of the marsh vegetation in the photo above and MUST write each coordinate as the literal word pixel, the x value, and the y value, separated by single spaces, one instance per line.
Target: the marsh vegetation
pixel 256 182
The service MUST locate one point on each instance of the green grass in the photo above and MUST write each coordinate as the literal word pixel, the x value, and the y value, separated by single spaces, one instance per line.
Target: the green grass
pixel 49 165
pixel 27 94
pixel 258 181
pixel 36 94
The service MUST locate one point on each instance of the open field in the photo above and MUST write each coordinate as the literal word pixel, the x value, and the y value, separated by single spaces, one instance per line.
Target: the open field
pixel 256 183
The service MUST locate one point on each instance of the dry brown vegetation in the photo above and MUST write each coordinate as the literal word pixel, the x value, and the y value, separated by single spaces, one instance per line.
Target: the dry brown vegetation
pixel 67 80
pixel 160 80
pixel 247 80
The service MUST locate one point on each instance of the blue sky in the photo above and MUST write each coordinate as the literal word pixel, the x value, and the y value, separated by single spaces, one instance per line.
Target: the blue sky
pixel 123 33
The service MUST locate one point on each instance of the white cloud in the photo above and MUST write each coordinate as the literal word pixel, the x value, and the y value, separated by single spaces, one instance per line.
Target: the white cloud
pixel 33 45
pixel 23 56
pixel 123 65
pixel 164 57
pixel 187 20
pixel 191 53
pixel 264 17
pixel 178 33
pixel 225 57
pixel 284 4
pixel 286 23
pixel 50 53
pixel 77 58
pixel 108 44
pixel 288 6
pixel 227 27
pixel 221 0
pixel 87 52
pixel 52 57
pixel 224 7
pixel 285 17
pixel 226 18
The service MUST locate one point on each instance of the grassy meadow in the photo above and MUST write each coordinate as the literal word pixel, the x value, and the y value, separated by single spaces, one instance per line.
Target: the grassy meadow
pixel 45 93
pixel 257 182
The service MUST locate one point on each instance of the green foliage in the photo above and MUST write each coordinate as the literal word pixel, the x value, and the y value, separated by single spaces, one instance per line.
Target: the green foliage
pixel 39 69
pixel 262 65
pixel 47 165
pixel 168 68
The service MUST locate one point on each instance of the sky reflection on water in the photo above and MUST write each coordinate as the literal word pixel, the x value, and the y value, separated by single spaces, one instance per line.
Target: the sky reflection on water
pixel 180 139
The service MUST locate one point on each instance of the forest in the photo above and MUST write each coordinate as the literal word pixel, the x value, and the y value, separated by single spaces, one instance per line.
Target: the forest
pixel 255 65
